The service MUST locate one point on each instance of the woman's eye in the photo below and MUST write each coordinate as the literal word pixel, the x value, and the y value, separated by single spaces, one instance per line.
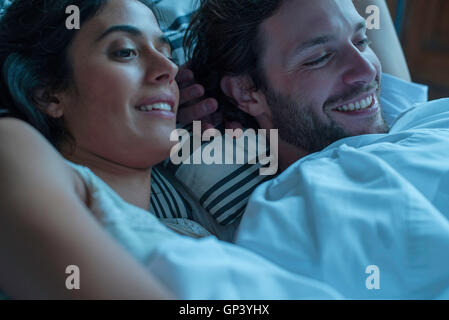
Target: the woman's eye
pixel 170 57
pixel 318 61
pixel 124 53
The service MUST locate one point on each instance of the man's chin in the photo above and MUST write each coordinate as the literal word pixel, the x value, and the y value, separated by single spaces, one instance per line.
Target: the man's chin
pixel 359 125
pixel 378 128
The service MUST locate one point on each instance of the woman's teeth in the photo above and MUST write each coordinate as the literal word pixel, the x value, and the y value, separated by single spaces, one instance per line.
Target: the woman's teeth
pixel 156 106
pixel 359 105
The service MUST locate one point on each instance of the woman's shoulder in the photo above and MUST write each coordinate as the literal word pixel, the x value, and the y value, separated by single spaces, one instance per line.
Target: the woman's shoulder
pixel 14 130
pixel 10 124
pixel 24 150
pixel 24 143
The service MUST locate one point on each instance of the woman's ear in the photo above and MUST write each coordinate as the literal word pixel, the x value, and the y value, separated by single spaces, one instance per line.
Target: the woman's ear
pixel 241 89
pixel 48 103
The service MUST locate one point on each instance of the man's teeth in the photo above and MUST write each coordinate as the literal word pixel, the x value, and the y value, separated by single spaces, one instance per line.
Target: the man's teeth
pixel 156 106
pixel 359 105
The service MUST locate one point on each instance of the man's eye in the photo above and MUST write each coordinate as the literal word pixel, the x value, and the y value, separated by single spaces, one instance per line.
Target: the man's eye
pixel 124 53
pixel 318 61
pixel 364 43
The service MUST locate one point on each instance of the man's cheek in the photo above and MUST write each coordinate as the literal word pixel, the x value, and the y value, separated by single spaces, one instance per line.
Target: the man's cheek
pixel 374 60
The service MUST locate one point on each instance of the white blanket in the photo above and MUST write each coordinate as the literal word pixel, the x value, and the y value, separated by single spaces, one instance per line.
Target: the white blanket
pixel 378 200
pixel 311 233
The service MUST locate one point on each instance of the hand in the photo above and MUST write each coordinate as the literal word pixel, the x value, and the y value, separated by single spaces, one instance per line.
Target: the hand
pixel 192 105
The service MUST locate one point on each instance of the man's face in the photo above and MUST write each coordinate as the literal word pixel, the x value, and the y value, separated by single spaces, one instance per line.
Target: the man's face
pixel 322 79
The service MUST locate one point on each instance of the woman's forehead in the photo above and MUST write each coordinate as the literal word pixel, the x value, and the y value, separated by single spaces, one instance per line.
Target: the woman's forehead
pixel 122 12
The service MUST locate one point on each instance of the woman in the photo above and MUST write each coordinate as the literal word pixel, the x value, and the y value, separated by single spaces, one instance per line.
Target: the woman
pixel 106 98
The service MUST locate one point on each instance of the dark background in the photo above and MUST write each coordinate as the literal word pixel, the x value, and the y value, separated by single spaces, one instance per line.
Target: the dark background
pixel 423 27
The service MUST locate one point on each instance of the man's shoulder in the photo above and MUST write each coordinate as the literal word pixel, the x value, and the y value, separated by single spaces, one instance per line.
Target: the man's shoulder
pixel 428 115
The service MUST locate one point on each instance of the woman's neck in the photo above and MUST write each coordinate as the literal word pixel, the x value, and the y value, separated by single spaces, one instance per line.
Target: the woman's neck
pixel 133 185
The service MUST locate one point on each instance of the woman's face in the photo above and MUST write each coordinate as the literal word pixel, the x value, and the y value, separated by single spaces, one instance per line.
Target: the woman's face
pixel 122 105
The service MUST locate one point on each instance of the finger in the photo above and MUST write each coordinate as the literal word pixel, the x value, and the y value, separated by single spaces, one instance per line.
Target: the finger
pixel 216 117
pixel 184 77
pixel 233 125
pixel 205 124
pixel 188 94
pixel 186 65
pixel 264 121
pixel 197 111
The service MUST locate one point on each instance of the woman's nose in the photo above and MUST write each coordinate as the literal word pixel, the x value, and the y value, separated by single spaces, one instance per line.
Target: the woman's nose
pixel 160 69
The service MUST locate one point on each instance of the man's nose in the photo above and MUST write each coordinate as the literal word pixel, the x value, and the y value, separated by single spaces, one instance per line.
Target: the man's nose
pixel 359 68
pixel 160 69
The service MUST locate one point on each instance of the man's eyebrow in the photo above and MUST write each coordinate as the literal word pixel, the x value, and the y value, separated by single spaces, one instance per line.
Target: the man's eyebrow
pixel 306 45
pixel 120 28
pixel 322 40
pixel 313 42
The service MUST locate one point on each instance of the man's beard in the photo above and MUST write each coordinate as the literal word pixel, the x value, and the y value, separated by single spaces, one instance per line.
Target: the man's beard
pixel 300 125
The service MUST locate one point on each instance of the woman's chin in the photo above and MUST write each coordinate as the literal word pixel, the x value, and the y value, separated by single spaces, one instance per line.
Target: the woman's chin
pixel 152 157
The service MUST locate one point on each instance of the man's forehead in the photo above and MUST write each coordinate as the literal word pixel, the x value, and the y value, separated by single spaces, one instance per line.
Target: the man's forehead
pixel 305 18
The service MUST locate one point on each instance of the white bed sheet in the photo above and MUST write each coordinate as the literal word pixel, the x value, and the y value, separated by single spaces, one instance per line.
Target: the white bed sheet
pixel 311 233
pixel 370 200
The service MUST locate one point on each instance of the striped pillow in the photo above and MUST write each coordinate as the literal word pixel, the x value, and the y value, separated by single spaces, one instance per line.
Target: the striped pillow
pixel 165 200
pixel 222 190
pixel 174 17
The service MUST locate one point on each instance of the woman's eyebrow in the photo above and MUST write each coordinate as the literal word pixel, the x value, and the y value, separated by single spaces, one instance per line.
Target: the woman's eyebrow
pixel 163 39
pixel 120 28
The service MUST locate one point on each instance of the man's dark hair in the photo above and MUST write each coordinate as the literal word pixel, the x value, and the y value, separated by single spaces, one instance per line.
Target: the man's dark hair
pixel 223 39
pixel 34 42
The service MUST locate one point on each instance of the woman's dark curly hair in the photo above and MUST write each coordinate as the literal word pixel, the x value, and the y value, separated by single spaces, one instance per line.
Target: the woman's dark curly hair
pixel 223 39
pixel 34 42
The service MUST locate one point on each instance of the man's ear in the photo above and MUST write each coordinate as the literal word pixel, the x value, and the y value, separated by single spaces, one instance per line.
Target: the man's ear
pixel 48 103
pixel 241 89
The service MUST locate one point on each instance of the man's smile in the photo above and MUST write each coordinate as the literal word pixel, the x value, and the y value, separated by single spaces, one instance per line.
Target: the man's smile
pixel 364 106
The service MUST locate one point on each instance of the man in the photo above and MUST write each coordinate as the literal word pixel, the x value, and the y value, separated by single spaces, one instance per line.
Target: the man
pixel 292 67
pixel 358 199
pixel 239 51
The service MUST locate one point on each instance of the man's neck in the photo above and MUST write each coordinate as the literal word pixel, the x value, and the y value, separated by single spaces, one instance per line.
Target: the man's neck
pixel 289 154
